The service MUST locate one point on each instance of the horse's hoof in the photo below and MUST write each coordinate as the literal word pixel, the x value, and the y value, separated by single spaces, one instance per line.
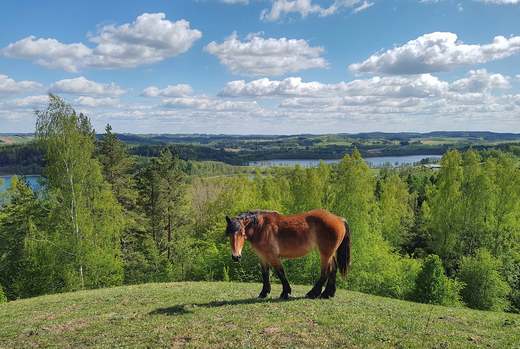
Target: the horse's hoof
pixel 311 295
pixel 262 295
pixel 284 296
pixel 325 296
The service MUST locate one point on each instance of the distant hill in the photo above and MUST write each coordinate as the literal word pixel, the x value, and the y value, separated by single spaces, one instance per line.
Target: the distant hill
pixel 19 155
pixel 226 315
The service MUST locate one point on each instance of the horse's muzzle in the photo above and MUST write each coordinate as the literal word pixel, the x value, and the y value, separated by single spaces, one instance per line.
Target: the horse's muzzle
pixel 236 258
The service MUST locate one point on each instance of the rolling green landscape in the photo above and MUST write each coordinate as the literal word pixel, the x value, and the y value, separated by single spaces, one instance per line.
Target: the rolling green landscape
pixel 122 244
pixel 225 314
pixel 19 155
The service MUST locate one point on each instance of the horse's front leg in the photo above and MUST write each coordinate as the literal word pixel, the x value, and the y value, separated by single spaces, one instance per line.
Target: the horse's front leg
pixel 266 289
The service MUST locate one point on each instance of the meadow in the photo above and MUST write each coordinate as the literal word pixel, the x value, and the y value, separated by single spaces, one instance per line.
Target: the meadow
pixel 226 314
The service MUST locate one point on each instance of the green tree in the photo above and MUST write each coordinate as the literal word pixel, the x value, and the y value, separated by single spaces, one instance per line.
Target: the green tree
pixel 433 286
pixel 396 210
pixel 375 269
pixel 477 205
pixel 442 209
pixel 163 188
pixel 20 220
pixel 117 167
pixel 484 287
pixel 86 219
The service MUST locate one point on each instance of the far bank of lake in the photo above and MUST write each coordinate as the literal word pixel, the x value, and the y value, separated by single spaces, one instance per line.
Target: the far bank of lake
pixel 379 161
pixel 32 180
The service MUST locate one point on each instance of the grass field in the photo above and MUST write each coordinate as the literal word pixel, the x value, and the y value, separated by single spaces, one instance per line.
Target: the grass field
pixel 226 315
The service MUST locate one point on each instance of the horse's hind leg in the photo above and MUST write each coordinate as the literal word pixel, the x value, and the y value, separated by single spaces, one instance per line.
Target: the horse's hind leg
pixel 278 268
pixel 325 271
pixel 330 289
pixel 266 289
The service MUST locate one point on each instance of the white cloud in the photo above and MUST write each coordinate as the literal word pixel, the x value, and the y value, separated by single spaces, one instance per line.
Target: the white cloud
pixel 364 6
pixel 87 101
pixel 266 56
pixel 8 85
pixel 281 8
pixel 32 102
pixel 83 86
pixel 209 104
pixel 421 86
pixel 436 52
pixel 235 2
pixel 150 38
pixel 169 91
pixel 501 2
pixel 480 81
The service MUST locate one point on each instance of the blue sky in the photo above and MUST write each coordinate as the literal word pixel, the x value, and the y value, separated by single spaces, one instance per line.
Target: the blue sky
pixel 262 66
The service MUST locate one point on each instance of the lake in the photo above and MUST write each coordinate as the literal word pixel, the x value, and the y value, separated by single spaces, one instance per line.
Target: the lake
pixel 5 182
pixel 378 161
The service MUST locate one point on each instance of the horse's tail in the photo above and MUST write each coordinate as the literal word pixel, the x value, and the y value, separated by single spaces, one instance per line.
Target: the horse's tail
pixel 343 253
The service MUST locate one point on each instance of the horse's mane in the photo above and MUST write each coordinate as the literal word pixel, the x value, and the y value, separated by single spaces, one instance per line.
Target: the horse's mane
pixel 253 215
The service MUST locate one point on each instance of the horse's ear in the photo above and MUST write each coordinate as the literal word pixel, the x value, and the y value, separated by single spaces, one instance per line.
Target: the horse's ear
pixel 228 220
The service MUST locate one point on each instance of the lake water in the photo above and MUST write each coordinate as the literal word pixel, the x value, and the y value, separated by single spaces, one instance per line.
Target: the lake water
pixel 5 182
pixel 378 161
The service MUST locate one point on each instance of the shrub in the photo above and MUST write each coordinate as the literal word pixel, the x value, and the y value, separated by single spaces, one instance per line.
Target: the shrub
pixel 433 286
pixel 484 287
pixel 3 297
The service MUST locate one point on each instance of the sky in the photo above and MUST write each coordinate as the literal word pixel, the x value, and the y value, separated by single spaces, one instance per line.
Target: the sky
pixel 264 66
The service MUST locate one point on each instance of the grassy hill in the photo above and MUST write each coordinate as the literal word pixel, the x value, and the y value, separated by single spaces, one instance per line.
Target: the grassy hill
pixel 210 314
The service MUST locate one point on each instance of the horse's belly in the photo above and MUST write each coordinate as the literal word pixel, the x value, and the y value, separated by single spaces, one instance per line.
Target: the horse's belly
pixel 295 251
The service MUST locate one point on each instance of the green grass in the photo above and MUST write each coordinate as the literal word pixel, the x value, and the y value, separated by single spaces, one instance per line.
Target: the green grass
pixel 221 315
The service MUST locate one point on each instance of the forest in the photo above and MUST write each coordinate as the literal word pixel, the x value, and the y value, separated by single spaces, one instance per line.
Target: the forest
pixel 105 217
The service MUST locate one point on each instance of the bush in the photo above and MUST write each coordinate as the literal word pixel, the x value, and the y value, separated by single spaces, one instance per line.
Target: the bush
pixel 433 286
pixel 3 298
pixel 511 272
pixel 484 287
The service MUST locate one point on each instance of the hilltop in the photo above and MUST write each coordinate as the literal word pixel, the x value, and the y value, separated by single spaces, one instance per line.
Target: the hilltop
pixel 220 314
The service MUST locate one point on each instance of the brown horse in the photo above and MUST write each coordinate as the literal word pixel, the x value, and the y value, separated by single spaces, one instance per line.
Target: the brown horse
pixel 274 236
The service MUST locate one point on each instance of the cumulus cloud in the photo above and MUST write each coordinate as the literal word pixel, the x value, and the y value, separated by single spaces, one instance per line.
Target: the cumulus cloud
pixel 31 102
pixel 421 86
pixel 480 81
pixel 209 104
pixel 93 102
pixel 281 8
pixel 436 52
pixel 266 56
pixel 83 86
pixel 150 38
pixel 169 91
pixel 10 86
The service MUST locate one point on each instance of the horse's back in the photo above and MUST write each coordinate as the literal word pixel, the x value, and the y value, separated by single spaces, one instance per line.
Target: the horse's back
pixel 318 227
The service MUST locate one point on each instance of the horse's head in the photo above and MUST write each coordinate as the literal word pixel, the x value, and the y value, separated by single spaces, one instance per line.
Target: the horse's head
pixel 236 230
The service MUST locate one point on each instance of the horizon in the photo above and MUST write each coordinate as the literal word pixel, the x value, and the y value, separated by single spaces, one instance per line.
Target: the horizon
pixel 276 135
pixel 265 67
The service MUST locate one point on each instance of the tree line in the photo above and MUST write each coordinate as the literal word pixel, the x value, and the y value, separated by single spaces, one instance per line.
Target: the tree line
pixel 102 219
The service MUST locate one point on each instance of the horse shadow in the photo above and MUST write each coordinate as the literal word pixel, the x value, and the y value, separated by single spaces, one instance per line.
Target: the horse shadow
pixel 181 309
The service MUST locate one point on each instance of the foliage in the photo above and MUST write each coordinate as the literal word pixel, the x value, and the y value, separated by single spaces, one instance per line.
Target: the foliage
pixel 106 217
pixel 433 286
pixel 484 287
pixel 395 203
pixel 3 297
pixel 80 241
